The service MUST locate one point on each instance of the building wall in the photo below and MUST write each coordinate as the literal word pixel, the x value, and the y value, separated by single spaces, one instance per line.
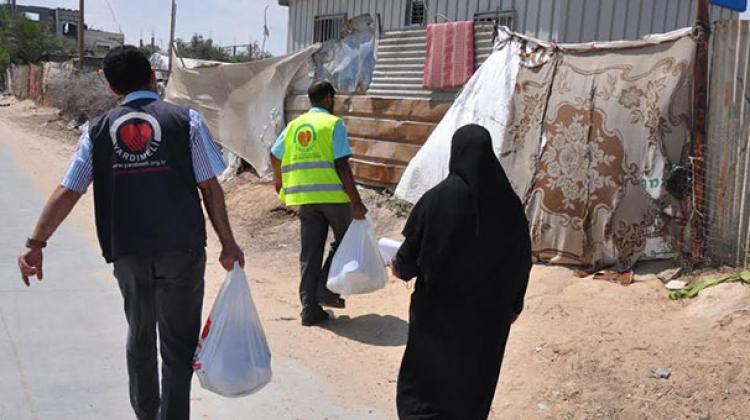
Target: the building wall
pixel 98 43
pixel 558 20
pixel 65 16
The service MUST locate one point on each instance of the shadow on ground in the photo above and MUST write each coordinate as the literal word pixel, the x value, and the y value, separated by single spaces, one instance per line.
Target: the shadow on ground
pixel 375 330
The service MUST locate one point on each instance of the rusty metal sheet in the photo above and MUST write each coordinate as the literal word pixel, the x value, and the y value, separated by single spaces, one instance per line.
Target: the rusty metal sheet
pixel 383 151
pixel 376 174
pixel 727 161
pixel 417 110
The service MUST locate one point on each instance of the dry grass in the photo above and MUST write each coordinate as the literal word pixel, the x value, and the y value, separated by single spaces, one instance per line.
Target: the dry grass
pixel 81 96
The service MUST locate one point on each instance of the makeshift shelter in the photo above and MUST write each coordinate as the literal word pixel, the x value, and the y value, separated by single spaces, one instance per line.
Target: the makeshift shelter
pixel 594 138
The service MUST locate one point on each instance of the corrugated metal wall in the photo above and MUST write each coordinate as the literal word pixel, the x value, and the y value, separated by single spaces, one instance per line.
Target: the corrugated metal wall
pixel 727 156
pixel 560 20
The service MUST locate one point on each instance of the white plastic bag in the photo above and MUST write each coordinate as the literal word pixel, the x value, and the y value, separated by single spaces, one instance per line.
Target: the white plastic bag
pixel 388 249
pixel 232 358
pixel 357 266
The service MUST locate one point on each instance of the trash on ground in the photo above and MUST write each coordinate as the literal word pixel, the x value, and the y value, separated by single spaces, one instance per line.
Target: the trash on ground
pixel 624 279
pixel 676 284
pixel 692 290
pixel 661 373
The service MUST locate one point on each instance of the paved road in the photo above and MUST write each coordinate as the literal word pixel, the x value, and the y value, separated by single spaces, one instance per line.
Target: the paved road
pixel 62 341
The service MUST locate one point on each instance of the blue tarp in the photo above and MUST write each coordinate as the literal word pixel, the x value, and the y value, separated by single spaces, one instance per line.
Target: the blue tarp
pixel 348 63
pixel 738 5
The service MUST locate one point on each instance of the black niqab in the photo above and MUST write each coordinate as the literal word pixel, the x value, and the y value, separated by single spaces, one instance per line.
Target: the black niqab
pixel 467 242
pixel 472 218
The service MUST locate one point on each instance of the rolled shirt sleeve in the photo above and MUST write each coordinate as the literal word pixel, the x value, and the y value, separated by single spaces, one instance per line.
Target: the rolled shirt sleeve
pixel 80 171
pixel 278 147
pixel 341 147
pixel 207 159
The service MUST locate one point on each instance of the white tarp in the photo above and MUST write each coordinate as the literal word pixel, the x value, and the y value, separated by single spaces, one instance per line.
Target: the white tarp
pixel 485 100
pixel 243 104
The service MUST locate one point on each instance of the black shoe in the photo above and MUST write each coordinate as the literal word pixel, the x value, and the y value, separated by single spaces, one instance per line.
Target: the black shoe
pixel 333 302
pixel 314 317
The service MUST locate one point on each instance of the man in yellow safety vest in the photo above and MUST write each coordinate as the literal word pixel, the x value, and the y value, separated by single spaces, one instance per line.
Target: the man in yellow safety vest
pixel 310 162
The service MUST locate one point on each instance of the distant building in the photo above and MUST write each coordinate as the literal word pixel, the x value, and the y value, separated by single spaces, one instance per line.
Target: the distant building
pixel 64 23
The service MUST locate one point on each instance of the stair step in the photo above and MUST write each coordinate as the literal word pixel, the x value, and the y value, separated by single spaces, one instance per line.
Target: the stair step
pixel 401 41
pixel 386 55
pixel 398 74
pixel 389 85
pixel 396 68
pixel 402 60
pixel 399 93
pixel 402 47
pixel 397 80
pixel 406 33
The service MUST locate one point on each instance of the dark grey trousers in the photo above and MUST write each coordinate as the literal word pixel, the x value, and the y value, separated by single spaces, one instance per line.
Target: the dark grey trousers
pixel 315 220
pixel 164 291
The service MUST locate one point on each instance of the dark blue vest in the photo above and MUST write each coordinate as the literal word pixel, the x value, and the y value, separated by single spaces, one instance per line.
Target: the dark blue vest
pixel 145 192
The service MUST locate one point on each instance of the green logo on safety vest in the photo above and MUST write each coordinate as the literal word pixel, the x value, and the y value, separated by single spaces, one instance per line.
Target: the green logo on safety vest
pixel 304 137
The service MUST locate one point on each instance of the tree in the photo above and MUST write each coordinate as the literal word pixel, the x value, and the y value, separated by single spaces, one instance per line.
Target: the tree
pixel 148 50
pixel 205 49
pixel 24 41
pixel 252 53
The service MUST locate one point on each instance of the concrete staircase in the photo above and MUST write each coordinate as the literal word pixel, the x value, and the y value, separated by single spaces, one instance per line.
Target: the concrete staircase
pixel 400 63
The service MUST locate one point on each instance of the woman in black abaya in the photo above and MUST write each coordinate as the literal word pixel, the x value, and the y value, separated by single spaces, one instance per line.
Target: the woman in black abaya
pixel 467 243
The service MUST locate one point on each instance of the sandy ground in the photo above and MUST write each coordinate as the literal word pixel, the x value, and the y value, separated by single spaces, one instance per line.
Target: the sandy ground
pixel 583 349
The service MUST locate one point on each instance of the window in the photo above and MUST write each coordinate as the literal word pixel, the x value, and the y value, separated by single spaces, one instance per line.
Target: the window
pixel 416 13
pixel 501 18
pixel 34 17
pixel 70 29
pixel 328 27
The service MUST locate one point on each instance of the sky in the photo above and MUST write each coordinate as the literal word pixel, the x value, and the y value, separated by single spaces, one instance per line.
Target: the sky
pixel 228 22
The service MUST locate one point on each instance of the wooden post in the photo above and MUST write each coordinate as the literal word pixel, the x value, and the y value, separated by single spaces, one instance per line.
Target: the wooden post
pixel 171 34
pixel 700 110
pixel 81 30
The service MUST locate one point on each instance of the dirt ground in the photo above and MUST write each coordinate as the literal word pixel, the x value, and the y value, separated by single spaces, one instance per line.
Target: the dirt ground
pixel 583 349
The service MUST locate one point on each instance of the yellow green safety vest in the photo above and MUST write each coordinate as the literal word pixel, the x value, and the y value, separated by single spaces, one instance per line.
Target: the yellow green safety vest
pixel 308 168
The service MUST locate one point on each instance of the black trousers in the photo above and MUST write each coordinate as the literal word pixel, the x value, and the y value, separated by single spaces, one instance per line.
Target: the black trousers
pixel 164 291
pixel 315 220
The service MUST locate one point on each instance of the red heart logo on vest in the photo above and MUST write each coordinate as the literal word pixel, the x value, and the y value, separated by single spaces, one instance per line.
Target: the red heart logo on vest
pixel 136 135
pixel 304 138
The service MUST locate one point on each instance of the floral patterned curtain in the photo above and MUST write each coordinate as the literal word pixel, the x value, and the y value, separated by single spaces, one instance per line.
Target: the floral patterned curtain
pixel 594 139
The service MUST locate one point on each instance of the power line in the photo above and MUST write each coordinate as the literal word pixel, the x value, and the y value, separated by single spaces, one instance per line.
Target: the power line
pixel 114 18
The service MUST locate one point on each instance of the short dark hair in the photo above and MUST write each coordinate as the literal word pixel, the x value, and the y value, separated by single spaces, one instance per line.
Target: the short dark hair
pixel 319 90
pixel 127 69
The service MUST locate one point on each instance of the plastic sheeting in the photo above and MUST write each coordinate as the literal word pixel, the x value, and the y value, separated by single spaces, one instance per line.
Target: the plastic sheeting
pixel 243 104
pixel 348 63
pixel 485 100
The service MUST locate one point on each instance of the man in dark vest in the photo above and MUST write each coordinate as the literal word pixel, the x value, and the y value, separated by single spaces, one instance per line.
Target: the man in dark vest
pixel 148 161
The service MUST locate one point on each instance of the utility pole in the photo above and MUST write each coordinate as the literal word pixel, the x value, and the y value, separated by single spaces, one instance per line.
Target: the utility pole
pixel 81 30
pixel 171 34
pixel 700 105
pixel 13 9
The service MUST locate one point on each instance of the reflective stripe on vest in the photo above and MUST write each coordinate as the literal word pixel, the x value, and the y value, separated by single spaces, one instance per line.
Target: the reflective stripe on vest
pixel 308 167
pixel 313 188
